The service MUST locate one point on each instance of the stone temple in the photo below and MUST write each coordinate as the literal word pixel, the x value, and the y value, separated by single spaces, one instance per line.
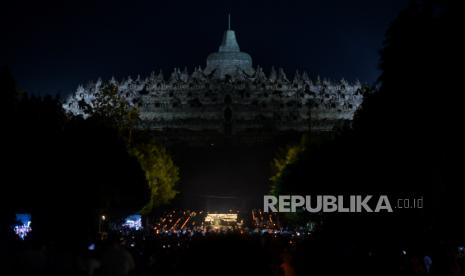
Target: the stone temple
pixel 231 98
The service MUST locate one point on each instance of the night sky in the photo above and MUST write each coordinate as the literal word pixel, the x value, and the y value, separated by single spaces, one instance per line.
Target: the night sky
pixel 52 46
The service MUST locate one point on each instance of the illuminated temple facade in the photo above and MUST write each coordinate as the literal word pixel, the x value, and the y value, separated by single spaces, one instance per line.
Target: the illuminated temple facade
pixel 229 97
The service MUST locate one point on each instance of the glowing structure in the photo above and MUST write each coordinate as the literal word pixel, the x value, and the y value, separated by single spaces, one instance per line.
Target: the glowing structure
pixel 133 222
pixel 24 227
pixel 221 217
pixel 231 97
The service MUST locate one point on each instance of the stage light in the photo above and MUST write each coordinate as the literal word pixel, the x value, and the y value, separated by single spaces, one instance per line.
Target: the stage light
pixel 223 217
pixel 133 222
pixel 23 226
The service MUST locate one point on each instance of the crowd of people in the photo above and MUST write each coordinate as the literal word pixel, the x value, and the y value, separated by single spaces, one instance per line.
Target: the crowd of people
pixel 230 252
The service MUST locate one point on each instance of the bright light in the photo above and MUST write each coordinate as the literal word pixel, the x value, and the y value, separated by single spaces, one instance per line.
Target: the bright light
pixel 223 217
pixel 133 222
pixel 24 225
pixel 103 217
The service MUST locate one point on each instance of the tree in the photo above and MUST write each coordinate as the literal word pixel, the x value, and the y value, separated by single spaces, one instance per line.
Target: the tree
pixel 415 120
pixel 406 136
pixel 160 172
pixel 112 110
pixel 285 157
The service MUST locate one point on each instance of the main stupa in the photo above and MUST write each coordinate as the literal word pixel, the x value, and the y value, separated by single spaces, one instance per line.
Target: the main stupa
pixel 229 60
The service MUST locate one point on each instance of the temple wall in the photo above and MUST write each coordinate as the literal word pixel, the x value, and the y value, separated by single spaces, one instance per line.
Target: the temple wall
pixel 200 102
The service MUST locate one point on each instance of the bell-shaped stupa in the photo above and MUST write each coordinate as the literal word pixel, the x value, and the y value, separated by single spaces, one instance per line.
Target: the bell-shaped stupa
pixel 229 60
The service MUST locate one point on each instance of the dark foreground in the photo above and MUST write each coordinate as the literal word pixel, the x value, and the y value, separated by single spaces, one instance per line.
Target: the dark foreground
pixel 230 253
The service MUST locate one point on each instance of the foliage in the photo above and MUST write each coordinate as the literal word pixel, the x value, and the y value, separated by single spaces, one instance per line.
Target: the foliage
pixel 160 172
pixel 285 157
pixel 63 169
pixel 406 135
pixel 110 108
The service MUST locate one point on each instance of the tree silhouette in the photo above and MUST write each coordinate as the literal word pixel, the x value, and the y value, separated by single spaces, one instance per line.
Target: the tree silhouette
pixel 112 110
pixel 64 170
pixel 406 135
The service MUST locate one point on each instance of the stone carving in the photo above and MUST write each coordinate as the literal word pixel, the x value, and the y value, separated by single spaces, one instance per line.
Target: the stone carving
pixel 198 101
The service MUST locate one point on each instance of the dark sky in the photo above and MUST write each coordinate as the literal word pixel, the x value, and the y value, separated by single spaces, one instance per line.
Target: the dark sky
pixel 52 46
